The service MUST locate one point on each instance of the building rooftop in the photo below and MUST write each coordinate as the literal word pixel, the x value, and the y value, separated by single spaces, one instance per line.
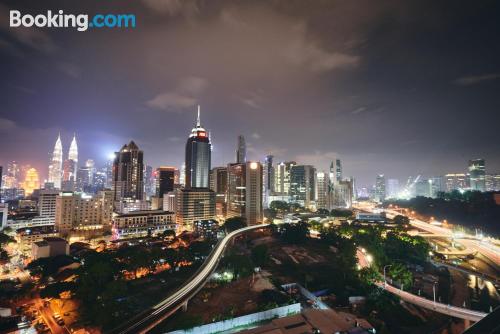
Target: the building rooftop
pixel 144 213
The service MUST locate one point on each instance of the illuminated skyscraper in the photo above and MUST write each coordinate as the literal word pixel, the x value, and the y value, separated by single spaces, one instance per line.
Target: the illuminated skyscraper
pixel 241 150
pixel 198 155
pixel 380 188
pixel 303 185
pixel 321 190
pixel 31 181
pixel 73 151
pixel 338 170
pixel 268 183
pixel 128 174
pixel 477 173
pixel 282 178
pixel 165 180
pixel 244 191
pixel 55 167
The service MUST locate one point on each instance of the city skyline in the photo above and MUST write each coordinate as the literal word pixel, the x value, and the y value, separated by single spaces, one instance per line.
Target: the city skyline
pixel 356 83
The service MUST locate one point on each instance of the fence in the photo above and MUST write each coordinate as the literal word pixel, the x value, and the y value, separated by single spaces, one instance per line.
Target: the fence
pixel 245 320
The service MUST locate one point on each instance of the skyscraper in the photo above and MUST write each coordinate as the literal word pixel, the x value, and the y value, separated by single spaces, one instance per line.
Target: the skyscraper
pixel 477 171
pixel 392 188
pixel 282 178
pixel 302 185
pixel 338 170
pixel 165 180
pixel 268 177
pixel 55 167
pixel 380 188
pixel 31 181
pixel 244 191
pixel 321 190
pixel 73 154
pixel 128 173
pixel 198 156
pixel 241 150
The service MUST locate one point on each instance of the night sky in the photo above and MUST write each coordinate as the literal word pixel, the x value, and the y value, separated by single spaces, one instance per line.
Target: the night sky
pixel 394 87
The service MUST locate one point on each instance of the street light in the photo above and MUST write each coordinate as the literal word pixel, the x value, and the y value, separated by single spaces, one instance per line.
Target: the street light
pixel 385 282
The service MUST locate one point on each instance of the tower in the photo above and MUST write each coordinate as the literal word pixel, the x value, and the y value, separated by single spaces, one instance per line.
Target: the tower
pixel 198 155
pixel 241 151
pixel 128 173
pixel 56 164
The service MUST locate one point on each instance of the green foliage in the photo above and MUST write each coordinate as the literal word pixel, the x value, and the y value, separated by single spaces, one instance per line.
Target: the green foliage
pixel 241 265
pixel 260 255
pixel 280 206
pixel 369 275
pixel 49 266
pixel 399 273
pixel 5 239
pixel 234 223
pixel 401 220
pixel 402 246
pixel 295 233
pixel 200 248
pixel 55 289
pixel 342 213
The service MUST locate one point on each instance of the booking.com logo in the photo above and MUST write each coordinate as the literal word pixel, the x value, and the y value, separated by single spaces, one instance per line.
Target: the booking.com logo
pixel 81 21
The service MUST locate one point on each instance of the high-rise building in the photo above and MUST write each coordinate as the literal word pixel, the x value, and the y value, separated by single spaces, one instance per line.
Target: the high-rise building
pixel 128 173
pixel 56 164
pixel 437 185
pixel 282 178
pixel 150 179
pixel 241 150
pixel 423 188
pixel 492 182
pixel 302 185
pixel 456 181
pixel 244 191
pixel 380 188
pixel 10 177
pixel 194 204
pixel 198 155
pixel 31 181
pixel 321 190
pixel 268 182
pixel 338 170
pixel 165 180
pixel 81 212
pixel 218 184
pixel 47 203
pixel 343 194
pixel 392 188
pixel 73 151
pixel 477 173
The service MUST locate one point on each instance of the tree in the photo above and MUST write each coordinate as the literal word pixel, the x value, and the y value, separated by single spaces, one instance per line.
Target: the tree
pixel 399 273
pixel 240 264
pixel 5 239
pixel 55 289
pixel 280 206
pixel 168 234
pixel 401 220
pixel 234 223
pixel 295 233
pixel 260 255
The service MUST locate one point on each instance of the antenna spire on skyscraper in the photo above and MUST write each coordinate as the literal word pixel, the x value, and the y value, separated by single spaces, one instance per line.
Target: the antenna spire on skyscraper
pixel 198 122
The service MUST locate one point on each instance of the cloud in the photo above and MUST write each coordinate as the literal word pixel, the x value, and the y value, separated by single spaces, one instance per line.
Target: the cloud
pixel 30 37
pixel 308 53
pixel 358 110
pixel 255 135
pixel 70 69
pixel 473 80
pixel 187 8
pixel 183 95
pixel 320 160
pixel 6 125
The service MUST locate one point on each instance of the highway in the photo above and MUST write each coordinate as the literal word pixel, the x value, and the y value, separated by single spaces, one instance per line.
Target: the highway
pixel 159 312
pixel 453 311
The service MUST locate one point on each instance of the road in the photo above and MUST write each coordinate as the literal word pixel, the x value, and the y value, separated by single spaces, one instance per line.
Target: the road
pixel 488 249
pixel 159 312
pixel 46 313
pixel 453 311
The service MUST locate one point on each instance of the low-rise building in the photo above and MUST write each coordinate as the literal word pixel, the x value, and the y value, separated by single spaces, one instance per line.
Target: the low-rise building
pixel 51 246
pixel 142 223
pixel 26 236
pixel 206 228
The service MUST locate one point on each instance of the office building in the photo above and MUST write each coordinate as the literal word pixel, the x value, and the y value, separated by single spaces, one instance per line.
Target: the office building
pixel 423 188
pixel 343 194
pixel 198 157
pixel 31 181
pixel 241 150
pixel 244 191
pixel 477 172
pixel 322 182
pixel 142 223
pixel 48 247
pixel 47 203
pixel 56 164
pixel 392 188
pixel 194 204
pixel 282 178
pixel 76 212
pixel 380 194
pixel 492 182
pixel 150 178
pixel 165 180
pixel 303 185
pixel 455 181
pixel 218 184
pixel 268 181
pixel 338 170
pixel 128 172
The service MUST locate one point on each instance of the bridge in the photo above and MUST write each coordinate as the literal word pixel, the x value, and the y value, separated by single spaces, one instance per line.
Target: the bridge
pixel 153 316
